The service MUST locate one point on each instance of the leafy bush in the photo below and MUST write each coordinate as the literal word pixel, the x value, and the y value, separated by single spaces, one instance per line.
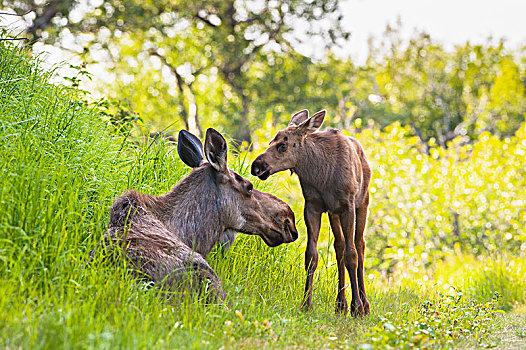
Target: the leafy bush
pixel 442 321
pixel 424 207
pixel 467 197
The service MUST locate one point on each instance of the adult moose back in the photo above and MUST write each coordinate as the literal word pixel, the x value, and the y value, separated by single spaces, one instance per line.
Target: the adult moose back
pixel 334 177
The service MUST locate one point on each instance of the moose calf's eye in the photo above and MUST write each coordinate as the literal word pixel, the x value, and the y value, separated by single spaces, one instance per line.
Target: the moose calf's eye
pixel 250 187
pixel 282 147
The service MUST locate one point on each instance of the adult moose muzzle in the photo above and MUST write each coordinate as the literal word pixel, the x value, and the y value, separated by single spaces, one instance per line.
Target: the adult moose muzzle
pixel 334 177
pixel 166 238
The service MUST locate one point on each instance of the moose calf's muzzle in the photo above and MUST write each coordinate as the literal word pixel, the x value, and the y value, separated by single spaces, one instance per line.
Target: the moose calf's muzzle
pixel 260 169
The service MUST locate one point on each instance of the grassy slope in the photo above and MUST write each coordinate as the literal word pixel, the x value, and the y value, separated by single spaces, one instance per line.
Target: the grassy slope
pixel 60 169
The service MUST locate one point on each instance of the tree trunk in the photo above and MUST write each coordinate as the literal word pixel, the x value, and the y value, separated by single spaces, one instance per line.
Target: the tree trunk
pixel 194 126
pixel 190 116
pixel 42 22
pixel 243 132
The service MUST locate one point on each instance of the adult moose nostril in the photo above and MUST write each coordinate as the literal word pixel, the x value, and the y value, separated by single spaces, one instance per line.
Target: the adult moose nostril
pixel 294 234
pixel 291 228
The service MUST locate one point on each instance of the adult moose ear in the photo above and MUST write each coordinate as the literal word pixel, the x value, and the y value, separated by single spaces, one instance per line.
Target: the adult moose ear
pixel 190 149
pixel 313 123
pixel 299 117
pixel 216 150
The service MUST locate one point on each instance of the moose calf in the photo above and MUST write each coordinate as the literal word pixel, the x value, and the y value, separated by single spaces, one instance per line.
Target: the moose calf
pixel 167 238
pixel 334 177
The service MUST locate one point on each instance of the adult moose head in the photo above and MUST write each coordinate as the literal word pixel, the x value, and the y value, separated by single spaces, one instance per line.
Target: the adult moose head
pixel 240 207
pixel 167 237
pixel 334 177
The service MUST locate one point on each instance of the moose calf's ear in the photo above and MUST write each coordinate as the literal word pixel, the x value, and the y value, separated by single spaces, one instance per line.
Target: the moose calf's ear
pixel 190 149
pixel 313 123
pixel 299 117
pixel 216 150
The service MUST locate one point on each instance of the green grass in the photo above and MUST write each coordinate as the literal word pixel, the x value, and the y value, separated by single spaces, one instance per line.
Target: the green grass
pixel 61 165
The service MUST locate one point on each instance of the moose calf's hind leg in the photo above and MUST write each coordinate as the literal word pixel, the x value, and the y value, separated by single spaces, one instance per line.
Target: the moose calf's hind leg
pixel 339 247
pixel 351 262
pixel 361 218
pixel 351 259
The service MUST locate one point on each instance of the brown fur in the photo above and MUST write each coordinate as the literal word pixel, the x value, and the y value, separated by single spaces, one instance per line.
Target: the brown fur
pixel 334 175
pixel 167 238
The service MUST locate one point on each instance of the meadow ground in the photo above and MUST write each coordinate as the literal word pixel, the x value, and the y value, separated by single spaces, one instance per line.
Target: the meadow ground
pixel 432 283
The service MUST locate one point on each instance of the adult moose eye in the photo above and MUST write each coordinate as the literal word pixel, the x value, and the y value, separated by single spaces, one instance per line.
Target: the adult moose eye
pixel 282 148
pixel 250 187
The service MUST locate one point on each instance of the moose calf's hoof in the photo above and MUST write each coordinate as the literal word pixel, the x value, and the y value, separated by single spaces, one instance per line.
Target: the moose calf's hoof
pixel 306 306
pixel 366 308
pixel 357 309
pixel 341 307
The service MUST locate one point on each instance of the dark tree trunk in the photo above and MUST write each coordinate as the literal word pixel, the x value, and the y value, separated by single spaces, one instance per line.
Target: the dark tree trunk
pixel 42 22
pixel 190 119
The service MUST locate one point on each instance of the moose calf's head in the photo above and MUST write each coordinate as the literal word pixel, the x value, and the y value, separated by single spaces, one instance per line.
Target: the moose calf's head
pixel 239 206
pixel 287 146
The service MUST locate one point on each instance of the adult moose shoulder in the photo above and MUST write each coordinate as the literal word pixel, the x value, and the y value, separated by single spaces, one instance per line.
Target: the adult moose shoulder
pixel 166 238
pixel 334 177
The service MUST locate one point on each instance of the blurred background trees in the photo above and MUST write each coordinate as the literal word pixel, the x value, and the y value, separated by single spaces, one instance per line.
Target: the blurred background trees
pixel 215 42
pixel 235 65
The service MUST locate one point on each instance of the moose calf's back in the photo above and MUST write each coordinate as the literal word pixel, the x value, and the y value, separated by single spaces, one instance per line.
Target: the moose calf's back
pixel 335 168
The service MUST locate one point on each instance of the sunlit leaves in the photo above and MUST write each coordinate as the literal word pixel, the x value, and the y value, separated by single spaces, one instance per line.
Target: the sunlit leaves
pixel 436 322
pixel 424 207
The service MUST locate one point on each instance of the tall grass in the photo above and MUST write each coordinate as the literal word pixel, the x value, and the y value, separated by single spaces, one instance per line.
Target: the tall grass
pixel 60 168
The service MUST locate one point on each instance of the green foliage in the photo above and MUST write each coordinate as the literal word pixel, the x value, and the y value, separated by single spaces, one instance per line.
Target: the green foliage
pixel 61 164
pixel 440 94
pixel 465 197
pixel 196 64
pixel 220 38
pixel 444 94
pixel 119 115
pixel 436 322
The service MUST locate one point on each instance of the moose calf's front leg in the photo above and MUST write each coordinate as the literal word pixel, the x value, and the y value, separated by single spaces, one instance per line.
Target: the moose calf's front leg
pixel 313 222
pixel 351 258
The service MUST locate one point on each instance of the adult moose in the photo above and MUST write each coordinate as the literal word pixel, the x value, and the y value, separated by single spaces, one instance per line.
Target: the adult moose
pixel 166 238
pixel 334 177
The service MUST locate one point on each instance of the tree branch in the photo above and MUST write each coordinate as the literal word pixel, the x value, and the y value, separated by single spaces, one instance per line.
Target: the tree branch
pixel 186 116
pixel 204 20
pixel 418 133
pixel 13 39
pixel 42 22
pixel 178 81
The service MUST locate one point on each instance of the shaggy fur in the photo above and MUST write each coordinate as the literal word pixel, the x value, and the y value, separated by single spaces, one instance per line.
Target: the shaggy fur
pixel 166 238
pixel 334 175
